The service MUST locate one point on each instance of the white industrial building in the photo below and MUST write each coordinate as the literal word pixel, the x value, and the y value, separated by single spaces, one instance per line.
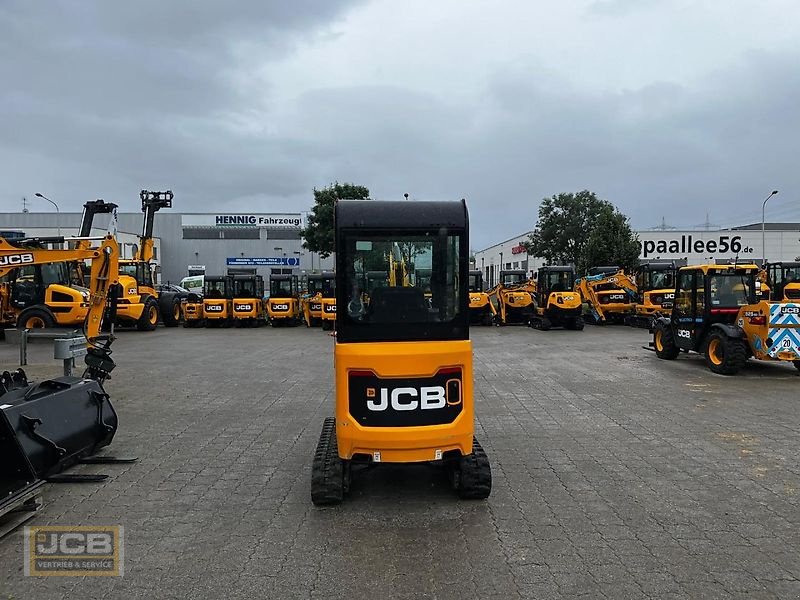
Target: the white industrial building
pixel 781 240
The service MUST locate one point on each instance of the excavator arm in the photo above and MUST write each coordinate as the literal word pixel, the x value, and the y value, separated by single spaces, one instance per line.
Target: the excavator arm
pixel 589 286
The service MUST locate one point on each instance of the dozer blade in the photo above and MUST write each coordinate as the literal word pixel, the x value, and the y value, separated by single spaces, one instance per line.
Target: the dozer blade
pixel 49 426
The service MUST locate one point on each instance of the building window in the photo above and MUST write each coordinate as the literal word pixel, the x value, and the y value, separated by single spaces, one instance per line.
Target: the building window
pixel 240 234
pixel 283 234
pixel 200 233
pixel 516 264
pixel 508 265
pixel 155 253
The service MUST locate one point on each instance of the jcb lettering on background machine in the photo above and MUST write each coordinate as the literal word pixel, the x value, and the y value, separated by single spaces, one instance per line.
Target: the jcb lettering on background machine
pixel 403 362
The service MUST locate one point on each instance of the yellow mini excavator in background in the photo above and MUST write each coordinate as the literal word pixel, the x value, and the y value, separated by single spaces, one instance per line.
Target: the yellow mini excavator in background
pixel 610 295
pixel 781 281
pixel 319 286
pixel 403 365
pixel 655 291
pixel 248 301
pixel 328 303
pixel 481 309
pixel 512 298
pixel 283 306
pixel 556 304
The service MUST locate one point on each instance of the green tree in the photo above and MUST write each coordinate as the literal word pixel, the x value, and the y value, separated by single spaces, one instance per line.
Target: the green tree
pixel 583 230
pixel 318 233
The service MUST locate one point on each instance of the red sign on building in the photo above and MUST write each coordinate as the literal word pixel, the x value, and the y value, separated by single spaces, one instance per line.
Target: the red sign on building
pixel 518 249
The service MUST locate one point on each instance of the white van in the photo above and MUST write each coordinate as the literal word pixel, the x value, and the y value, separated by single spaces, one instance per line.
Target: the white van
pixel 194 283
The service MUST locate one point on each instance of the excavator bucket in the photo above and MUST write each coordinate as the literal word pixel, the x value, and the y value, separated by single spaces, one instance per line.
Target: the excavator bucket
pixel 48 426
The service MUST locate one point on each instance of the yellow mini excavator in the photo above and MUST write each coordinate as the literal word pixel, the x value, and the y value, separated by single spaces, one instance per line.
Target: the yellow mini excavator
pixel 403 365
pixel 556 304
pixel 481 309
pixel 655 291
pixel 610 295
pixel 513 298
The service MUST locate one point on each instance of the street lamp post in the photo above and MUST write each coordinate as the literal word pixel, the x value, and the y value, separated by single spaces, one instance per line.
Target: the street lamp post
pixel 58 212
pixel 763 234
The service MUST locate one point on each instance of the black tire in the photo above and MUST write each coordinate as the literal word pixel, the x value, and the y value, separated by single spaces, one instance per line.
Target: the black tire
pixel 725 355
pixel 327 325
pixel 578 324
pixel 327 469
pixel 664 342
pixel 169 305
pixel 796 364
pixel 473 475
pixel 148 321
pixel 35 318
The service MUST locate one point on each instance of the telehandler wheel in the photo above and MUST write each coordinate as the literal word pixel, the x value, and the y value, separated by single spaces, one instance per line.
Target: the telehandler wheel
pixel 796 364
pixel 664 343
pixel 725 355
pixel 35 318
pixel 149 319
pixel 327 470
pixel 472 475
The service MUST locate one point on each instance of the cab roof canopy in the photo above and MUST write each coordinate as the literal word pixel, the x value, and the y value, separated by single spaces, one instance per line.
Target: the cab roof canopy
pixel 400 215
pixel 557 268
pixel 321 276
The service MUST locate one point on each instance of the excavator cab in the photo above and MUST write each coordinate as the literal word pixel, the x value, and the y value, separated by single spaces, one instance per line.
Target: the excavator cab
pixel 513 298
pixel 481 309
pixel 609 294
pixel 783 279
pixel 218 300
pixel 311 300
pixel 328 300
pixel 403 366
pixel 556 304
pixel 283 306
pixel 248 300
pixel 655 284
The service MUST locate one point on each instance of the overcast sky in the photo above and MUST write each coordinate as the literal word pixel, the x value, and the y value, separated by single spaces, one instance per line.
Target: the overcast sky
pixel 665 107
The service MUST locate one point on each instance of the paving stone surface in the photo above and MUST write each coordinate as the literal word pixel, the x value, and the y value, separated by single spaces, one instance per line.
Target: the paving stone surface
pixel 616 475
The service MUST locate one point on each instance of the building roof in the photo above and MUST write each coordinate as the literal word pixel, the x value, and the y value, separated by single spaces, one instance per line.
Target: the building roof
pixel 769 227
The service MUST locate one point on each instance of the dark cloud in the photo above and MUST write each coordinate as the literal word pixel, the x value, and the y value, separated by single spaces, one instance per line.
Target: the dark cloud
pixel 105 100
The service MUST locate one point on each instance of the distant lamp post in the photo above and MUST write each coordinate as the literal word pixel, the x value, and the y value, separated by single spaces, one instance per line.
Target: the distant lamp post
pixel 58 212
pixel 405 195
pixel 763 230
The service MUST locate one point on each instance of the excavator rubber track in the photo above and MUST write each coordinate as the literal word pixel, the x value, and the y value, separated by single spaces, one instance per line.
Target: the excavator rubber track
pixel 472 477
pixel 327 469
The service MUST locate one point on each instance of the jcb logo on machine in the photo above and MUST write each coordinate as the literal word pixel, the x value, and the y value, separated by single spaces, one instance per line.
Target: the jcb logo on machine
pixel 617 297
pixel 669 296
pixel 316 306
pixel 16 259
pixel 684 333
pixel 214 308
pixel 243 307
pixel 280 307
pixel 398 402
pixel 330 308
pixel 790 310
pixel 612 280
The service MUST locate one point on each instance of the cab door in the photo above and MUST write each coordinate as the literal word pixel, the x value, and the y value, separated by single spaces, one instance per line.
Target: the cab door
pixel 684 311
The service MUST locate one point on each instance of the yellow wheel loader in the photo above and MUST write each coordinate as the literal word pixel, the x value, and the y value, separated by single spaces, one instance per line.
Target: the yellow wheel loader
pixel 248 301
pixel 283 306
pixel 717 313
pixel 610 295
pixel 403 366
pixel 141 305
pixel 513 298
pixel 481 309
pixel 556 304
pixel 218 300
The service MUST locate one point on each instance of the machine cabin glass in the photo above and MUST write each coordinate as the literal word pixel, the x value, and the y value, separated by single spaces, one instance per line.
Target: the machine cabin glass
pixel 282 286
pixel 248 287
pixel 217 288
pixel 321 284
pixel 730 289
pixel 413 308
pixel 475 281
pixel 510 278
pixel 559 281
pixel 685 307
